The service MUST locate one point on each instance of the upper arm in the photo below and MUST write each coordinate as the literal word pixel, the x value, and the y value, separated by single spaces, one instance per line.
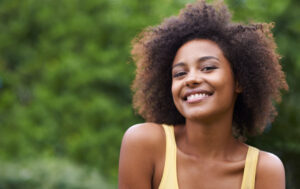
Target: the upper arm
pixel 137 157
pixel 270 172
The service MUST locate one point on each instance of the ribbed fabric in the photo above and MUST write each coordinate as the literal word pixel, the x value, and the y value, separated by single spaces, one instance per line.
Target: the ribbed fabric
pixel 169 178
pixel 250 168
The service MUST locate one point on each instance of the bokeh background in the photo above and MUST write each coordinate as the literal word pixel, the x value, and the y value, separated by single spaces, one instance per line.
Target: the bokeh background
pixel 65 76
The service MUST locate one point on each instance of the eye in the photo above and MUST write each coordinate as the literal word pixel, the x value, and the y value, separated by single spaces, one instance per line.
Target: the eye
pixel 178 74
pixel 208 68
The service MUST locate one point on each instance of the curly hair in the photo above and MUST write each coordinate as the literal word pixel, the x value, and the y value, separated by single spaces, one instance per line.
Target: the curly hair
pixel 250 49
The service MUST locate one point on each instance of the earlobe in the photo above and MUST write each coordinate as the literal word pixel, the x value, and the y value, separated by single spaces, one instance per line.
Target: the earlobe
pixel 238 88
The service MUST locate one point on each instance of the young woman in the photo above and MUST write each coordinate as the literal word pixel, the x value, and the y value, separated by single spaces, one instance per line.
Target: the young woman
pixel 203 83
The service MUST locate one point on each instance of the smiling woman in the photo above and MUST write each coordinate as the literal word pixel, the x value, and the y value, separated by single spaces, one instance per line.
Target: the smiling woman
pixel 203 83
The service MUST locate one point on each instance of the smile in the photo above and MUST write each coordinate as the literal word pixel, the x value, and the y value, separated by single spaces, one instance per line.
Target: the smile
pixel 197 97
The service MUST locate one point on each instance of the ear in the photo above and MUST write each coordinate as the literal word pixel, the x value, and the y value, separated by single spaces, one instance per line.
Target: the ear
pixel 238 88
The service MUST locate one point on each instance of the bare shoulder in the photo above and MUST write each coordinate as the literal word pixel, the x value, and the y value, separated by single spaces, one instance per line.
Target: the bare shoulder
pixel 270 172
pixel 143 129
pixel 144 134
pixel 141 146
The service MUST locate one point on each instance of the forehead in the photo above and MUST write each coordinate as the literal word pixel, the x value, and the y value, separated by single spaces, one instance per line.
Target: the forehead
pixel 198 48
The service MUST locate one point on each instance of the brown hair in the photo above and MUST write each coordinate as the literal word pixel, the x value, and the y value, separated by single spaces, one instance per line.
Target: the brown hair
pixel 249 48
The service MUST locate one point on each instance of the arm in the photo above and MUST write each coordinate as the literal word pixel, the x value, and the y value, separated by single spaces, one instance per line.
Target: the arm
pixel 137 157
pixel 270 172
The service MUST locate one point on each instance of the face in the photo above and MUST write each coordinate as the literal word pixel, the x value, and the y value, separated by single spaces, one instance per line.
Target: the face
pixel 203 84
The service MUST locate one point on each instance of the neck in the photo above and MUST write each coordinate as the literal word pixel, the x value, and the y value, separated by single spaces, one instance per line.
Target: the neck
pixel 208 139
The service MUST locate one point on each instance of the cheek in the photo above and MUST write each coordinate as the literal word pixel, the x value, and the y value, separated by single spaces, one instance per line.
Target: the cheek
pixel 226 86
pixel 225 79
pixel 174 89
pixel 175 93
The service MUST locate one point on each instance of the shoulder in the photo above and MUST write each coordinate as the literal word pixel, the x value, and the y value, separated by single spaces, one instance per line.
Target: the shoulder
pixel 144 134
pixel 142 146
pixel 143 129
pixel 270 172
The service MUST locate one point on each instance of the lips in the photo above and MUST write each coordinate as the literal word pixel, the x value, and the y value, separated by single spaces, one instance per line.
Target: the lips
pixel 196 95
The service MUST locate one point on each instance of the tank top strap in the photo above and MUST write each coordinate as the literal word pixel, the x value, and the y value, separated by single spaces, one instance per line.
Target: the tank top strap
pixel 250 168
pixel 169 178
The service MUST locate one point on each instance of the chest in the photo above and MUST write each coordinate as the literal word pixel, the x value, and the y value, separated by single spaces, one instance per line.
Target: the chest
pixel 207 174
pixel 194 173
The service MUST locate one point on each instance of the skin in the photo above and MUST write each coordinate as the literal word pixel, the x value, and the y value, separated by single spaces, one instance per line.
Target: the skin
pixel 208 156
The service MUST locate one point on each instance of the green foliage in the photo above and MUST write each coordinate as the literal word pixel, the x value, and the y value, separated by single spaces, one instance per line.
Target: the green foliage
pixel 49 173
pixel 65 74
pixel 65 77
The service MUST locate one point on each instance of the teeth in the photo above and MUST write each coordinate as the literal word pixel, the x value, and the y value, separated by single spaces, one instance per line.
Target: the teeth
pixel 197 96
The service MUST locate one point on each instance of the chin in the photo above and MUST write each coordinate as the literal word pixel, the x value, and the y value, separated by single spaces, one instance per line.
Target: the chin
pixel 197 114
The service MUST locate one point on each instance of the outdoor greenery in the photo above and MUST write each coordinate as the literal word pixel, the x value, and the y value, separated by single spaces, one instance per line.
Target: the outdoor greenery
pixel 65 76
pixel 47 174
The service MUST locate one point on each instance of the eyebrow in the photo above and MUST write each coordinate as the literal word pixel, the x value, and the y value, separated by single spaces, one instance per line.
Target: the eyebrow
pixel 199 60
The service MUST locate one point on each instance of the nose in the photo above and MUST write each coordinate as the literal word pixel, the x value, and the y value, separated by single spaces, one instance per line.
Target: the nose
pixel 193 79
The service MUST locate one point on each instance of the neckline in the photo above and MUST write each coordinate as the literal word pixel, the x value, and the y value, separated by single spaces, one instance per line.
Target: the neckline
pixel 248 158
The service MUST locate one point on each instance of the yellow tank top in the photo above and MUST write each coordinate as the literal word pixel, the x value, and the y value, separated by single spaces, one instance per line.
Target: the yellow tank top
pixel 169 178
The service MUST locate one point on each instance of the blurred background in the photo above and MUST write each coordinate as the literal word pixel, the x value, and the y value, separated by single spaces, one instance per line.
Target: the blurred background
pixel 65 76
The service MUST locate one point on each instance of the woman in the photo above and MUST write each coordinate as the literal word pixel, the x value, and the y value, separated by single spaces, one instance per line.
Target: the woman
pixel 203 83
